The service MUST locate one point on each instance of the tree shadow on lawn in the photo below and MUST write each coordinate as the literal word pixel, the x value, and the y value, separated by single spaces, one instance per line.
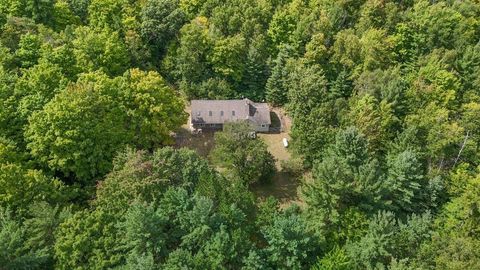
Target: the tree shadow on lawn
pixel 276 123
pixel 283 187
pixel 201 143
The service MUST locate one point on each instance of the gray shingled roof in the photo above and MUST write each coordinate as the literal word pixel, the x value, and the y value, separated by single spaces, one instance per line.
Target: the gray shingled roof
pixel 221 111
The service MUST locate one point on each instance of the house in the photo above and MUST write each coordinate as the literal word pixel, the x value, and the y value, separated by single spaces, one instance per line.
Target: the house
pixel 212 114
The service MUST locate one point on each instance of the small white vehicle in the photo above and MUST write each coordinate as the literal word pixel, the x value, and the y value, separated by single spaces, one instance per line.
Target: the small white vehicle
pixel 285 142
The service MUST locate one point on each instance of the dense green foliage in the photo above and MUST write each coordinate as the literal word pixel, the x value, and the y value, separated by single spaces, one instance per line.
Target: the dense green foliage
pixel 241 156
pixel 385 106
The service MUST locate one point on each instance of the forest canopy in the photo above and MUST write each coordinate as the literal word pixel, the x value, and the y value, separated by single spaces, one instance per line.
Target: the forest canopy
pixel 384 98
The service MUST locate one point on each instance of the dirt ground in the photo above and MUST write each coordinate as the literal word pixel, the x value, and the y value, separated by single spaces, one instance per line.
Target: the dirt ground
pixel 201 143
pixel 274 140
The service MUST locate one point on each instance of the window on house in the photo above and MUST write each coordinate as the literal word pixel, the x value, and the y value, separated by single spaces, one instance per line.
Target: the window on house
pixel 233 113
pixel 209 113
pixel 221 113
pixel 263 125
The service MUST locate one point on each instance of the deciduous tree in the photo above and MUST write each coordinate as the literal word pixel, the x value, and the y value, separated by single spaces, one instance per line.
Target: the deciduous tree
pixel 243 157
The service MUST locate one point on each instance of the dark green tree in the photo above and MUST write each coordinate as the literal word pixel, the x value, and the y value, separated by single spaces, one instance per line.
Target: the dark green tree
pixel 307 89
pixel 79 8
pixel 14 254
pixel 40 11
pixel 405 182
pixel 345 180
pixel 161 21
pixel 290 246
pixel 276 89
pixel 388 239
